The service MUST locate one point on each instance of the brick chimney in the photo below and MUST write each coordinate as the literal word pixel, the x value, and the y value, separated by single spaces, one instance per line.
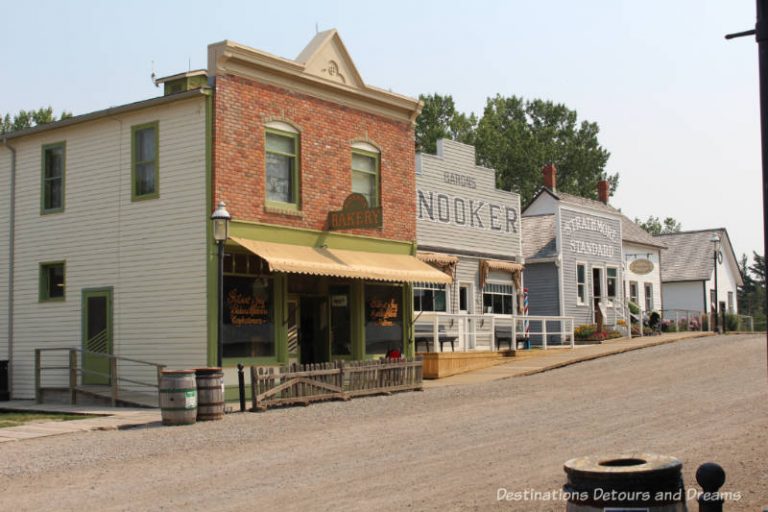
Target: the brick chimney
pixel 603 190
pixel 550 176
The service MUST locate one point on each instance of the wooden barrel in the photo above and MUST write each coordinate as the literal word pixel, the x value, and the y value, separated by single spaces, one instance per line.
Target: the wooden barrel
pixel 178 397
pixel 210 394
pixel 635 481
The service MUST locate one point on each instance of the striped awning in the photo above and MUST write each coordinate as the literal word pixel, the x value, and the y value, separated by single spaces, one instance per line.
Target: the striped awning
pixel 321 261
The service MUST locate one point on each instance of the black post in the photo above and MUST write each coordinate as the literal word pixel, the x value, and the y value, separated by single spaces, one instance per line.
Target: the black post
pixel 717 301
pixel 241 386
pixel 761 32
pixel 220 340
pixel 710 477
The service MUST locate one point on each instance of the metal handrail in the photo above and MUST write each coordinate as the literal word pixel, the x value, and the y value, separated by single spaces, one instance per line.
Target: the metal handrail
pixel 76 372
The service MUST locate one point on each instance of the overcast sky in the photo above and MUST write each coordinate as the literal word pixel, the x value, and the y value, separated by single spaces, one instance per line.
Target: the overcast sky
pixel 677 105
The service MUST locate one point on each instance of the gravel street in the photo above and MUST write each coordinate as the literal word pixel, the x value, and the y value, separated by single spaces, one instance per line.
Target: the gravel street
pixel 443 449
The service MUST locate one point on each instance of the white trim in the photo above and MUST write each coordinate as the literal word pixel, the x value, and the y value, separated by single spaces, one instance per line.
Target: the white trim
pixel 282 126
pixel 365 146
pixel 586 295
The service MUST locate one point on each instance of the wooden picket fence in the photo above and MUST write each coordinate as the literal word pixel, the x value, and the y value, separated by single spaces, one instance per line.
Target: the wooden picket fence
pixel 339 380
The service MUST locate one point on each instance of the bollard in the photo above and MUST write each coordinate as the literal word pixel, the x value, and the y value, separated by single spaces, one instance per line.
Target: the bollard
pixel 710 477
pixel 642 481
pixel 241 386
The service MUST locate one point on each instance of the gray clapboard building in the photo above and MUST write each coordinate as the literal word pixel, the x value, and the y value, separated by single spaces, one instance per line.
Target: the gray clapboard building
pixel 470 229
pixel 573 255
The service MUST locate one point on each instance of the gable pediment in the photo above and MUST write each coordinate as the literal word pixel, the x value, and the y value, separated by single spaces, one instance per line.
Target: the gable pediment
pixel 327 58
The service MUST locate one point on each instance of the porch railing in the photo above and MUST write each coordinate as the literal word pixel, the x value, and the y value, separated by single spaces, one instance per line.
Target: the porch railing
pixel 435 332
pixel 77 370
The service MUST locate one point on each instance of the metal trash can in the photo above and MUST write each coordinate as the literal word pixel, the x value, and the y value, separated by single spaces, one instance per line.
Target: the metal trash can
pixel 642 481
pixel 5 393
pixel 178 397
pixel 210 394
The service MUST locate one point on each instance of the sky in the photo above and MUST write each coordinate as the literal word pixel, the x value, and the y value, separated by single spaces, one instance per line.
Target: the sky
pixel 677 104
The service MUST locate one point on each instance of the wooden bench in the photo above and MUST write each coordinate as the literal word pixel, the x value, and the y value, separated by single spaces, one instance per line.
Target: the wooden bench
pixel 428 340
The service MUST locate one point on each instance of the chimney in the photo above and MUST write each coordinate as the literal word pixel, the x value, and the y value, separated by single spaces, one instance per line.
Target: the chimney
pixel 603 189
pixel 550 176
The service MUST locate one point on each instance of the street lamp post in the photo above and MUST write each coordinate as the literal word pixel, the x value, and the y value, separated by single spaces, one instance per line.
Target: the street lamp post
pixel 220 218
pixel 715 257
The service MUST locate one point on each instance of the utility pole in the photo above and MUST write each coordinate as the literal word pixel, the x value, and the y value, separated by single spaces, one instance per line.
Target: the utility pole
pixel 761 35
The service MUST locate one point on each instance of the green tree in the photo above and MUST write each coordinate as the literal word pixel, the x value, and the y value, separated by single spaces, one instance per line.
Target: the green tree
pixel 517 137
pixel 29 118
pixel 655 226
pixel 439 119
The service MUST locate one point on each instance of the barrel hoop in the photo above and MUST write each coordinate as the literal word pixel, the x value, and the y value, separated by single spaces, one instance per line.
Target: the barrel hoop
pixel 177 408
pixel 178 390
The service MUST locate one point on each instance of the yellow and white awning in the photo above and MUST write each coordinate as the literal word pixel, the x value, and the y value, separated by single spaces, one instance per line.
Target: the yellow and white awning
pixel 320 261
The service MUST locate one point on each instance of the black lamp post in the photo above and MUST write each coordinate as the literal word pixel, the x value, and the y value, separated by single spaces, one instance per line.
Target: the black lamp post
pixel 220 218
pixel 715 257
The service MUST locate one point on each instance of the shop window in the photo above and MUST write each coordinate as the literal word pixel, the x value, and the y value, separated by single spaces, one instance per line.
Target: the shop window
pixel 53 178
pixel 365 172
pixel 633 292
pixel 611 283
pixel 248 317
pixel 499 299
pixel 52 281
pixel 383 319
pixel 429 297
pixel 145 173
pixel 581 283
pixel 282 157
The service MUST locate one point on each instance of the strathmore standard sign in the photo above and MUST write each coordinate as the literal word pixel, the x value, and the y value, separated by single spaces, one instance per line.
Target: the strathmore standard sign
pixel 458 207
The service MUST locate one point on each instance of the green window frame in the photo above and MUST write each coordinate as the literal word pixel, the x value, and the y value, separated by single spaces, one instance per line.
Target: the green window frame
pixel 52 281
pixel 53 173
pixel 145 161
pixel 281 148
pixel 366 168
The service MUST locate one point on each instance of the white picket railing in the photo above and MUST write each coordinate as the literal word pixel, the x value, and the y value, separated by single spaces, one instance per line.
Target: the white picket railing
pixel 435 332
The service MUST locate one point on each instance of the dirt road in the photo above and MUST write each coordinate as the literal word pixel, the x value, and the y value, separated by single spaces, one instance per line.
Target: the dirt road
pixel 443 449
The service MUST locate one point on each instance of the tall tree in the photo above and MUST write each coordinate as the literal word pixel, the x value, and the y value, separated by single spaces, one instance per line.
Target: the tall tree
pixel 29 118
pixel 517 137
pixel 657 227
pixel 439 119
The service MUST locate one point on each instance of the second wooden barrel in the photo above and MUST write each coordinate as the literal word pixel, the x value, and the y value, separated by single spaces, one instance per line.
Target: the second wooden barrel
pixel 178 397
pixel 210 394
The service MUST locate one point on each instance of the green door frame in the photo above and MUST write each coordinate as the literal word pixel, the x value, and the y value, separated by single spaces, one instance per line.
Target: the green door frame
pixel 90 362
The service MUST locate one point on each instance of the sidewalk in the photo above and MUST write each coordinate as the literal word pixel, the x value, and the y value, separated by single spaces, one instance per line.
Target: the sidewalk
pixel 101 418
pixel 528 362
pixel 524 363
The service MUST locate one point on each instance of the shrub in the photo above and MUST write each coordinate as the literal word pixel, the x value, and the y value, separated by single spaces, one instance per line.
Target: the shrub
pixel 668 326
pixel 682 324
pixel 732 322
pixel 613 334
pixel 585 332
pixel 647 331
pixel 694 324
pixel 704 322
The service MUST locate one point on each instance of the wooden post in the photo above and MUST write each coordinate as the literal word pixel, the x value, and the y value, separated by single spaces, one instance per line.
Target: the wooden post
pixel 38 378
pixel 73 376
pixel 160 369
pixel 113 379
pixel 435 343
pixel 573 340
pixel 544 332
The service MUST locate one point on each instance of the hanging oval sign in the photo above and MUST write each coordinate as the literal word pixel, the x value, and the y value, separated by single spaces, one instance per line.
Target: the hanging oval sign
pixel 641 266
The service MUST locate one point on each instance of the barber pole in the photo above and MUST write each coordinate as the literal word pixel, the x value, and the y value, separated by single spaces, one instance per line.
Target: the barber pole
pixel 525 313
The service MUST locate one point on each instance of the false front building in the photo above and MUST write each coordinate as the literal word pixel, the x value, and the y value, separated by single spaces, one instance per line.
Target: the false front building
pixel 106 220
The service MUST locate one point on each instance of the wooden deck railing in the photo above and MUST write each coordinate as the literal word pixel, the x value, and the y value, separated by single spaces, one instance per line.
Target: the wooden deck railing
pixel 68 371
pixel 339 380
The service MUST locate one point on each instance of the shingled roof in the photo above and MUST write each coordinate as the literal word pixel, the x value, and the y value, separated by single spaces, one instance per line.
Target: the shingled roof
pixel 689 255
pixel 538 237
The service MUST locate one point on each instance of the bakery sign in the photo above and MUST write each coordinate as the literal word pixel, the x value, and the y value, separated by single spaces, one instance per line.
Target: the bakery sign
pixel 355 213
pixel 641 266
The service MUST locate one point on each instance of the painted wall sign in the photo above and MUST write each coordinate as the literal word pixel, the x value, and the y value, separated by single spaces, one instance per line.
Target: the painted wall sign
pixel 459 208
pixel 586 223
pixel 463 211
pixel 355 214
pixel 641 266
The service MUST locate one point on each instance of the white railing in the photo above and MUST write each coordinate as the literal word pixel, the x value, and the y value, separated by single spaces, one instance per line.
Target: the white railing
pixel 435 332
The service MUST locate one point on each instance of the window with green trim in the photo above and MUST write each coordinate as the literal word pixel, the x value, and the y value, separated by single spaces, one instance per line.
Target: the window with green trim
pixel 365 175
pixel 53 178
pixel 145 175
pixel 52 281
pixel 282 150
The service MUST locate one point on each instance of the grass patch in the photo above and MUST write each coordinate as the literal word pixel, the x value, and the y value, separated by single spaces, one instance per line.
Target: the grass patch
pixel 14 419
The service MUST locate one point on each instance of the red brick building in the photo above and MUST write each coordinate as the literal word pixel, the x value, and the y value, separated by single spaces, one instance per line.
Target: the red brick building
pixel 292 141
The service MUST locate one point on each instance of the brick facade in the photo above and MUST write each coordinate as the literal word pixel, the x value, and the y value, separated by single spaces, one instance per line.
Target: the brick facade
pixel 243 107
